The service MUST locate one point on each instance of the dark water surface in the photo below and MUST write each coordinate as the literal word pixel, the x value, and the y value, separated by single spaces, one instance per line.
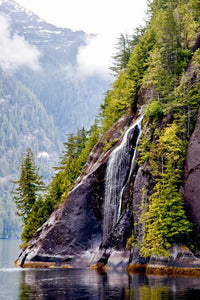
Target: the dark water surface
pixel 77 284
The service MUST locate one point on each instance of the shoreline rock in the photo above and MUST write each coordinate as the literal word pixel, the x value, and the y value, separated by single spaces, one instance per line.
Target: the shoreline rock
pixel 181 262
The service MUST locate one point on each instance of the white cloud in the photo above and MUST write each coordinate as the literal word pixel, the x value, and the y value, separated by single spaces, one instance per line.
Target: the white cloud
pixel 15 51
pixel 94 58
pixel 106 18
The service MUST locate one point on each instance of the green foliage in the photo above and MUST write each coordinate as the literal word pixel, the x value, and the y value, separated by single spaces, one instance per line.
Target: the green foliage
pixel 153 110
pixel 156 69
pixel 150 68
pixel 130 242
pixel 35 208
pixel 39 213
pixel 121 58
pixel 75 155
pixel 144 145
pixel 165 220
pixel 109 145
pixel 174 100
pixel 27 192
pixel 24 123
pixel 123 95
pixel 124 47
pixel 137 64
pixel 118 100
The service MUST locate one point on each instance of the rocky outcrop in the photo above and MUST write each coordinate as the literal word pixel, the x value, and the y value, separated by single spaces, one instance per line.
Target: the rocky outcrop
pixel 75 230
pixel 73 235
pixel 142 190
pixel 192 177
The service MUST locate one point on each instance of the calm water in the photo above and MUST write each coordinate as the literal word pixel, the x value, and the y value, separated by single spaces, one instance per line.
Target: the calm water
pixel 86 284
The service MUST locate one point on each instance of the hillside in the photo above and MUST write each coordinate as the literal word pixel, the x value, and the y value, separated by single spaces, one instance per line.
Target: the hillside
pixel 40 100
pixel 59 90
pixel 136 200
pixel 24 123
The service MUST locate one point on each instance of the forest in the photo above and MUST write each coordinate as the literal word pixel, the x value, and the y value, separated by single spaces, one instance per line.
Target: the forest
pixel 39 107
pixel 162 62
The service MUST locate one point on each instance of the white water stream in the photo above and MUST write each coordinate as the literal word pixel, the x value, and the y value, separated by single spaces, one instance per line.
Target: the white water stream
pixel 119 169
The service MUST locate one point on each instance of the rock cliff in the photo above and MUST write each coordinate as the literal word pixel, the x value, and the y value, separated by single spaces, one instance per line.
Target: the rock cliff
pixel 74 235
pixel 76 229
pixel 192 177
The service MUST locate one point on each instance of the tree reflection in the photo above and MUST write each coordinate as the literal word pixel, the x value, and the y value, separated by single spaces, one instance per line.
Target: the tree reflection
pixel 76 284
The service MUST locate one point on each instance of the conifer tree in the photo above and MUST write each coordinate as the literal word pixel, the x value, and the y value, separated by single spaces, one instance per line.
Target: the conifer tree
pixel 30 184
pixel 122 56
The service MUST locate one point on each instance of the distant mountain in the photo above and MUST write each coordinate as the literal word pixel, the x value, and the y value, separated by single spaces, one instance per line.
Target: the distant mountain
pixel 72 101
pixel 39 107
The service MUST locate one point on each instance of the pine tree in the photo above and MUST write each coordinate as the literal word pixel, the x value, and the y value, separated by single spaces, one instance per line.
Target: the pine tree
pixel 122 56
pixel 30 185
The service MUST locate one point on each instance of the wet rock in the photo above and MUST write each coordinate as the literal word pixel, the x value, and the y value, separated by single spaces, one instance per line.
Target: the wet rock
pixel 191 192
pixel 79 224
pixel 74 232
pixel 118 260
pixel 196 43
pixel 142 189
pixel 179 256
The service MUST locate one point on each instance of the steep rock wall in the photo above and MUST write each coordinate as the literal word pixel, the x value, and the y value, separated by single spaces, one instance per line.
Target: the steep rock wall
pixel 74 233
pixel 192 177
pixel 77 227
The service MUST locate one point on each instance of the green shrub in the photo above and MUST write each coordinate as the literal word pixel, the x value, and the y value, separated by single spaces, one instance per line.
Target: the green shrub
pixel 153 110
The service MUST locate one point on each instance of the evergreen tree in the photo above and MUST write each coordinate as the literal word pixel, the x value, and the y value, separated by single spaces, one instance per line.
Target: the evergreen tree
pixel 165 220
pixel 122 55
pixel 30 185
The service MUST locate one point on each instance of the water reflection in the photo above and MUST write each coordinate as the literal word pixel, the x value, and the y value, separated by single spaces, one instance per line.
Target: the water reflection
pixel 73 284
pixel 88 284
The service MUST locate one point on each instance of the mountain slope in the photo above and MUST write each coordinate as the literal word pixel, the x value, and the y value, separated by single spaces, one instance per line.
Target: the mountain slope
pixel 24 123
pixel 59 90
pixel 39 104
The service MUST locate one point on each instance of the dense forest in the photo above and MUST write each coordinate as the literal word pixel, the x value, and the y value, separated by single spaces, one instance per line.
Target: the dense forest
pixel 160 67
pixel 24 123
pixel 39 107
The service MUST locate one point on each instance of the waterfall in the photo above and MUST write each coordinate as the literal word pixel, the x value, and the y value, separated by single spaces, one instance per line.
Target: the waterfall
pixel 119 169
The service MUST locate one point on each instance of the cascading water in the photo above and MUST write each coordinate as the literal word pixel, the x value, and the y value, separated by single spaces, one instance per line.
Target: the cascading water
pixel 119 169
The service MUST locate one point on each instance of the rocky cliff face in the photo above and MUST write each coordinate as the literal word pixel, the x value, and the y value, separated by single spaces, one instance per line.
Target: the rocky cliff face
pixel 75 233
pixel 76 229
pixel 192 177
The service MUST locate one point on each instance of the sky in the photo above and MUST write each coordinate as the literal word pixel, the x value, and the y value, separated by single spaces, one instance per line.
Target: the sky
pixel 92 16
pixel 106 18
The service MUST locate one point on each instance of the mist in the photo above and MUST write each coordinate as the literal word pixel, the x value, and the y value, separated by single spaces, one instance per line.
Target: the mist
pixel 15 51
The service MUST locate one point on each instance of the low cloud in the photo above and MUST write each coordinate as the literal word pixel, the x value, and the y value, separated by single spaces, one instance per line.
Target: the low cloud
pixel 15 51
pixel 95 58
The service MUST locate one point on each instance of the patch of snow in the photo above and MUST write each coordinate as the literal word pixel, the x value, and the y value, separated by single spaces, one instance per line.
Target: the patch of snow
pixel 2 100
pixel 44 155
pixel 50 31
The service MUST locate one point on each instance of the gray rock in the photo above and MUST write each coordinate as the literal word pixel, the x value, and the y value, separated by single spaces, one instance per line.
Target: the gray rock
pixel 142 189
pixel 74 232
pixel 191 192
